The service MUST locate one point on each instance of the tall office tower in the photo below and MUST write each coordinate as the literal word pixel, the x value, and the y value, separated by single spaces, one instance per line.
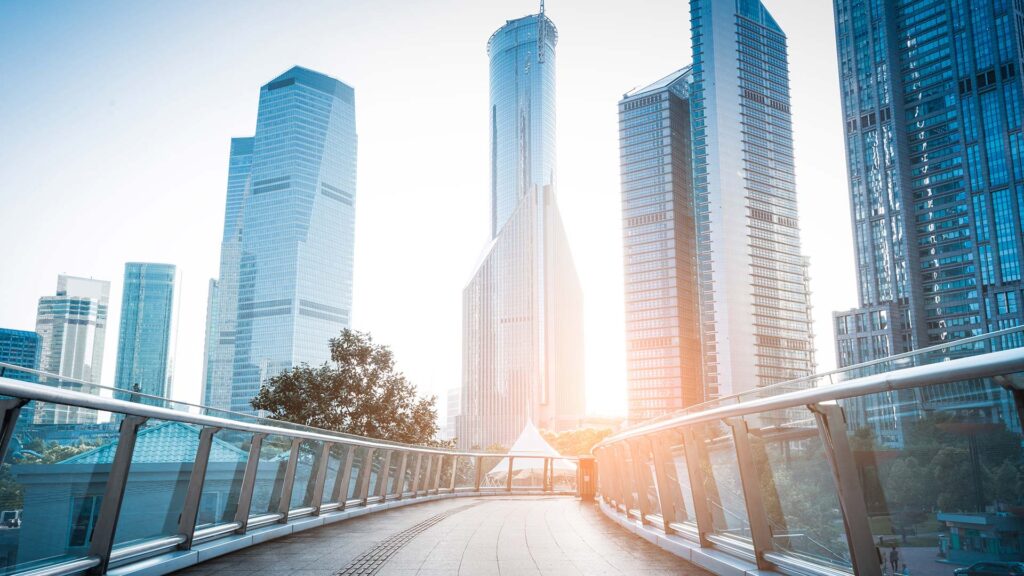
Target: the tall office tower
pixel 211 334
pixel 659 237
pixel 72 326
pixel 932 100
pixel 452 409
pixel 222 307
pixel 754 302
pixel 285 286
pixel 522 351
pixel 144 340
pixel 21 348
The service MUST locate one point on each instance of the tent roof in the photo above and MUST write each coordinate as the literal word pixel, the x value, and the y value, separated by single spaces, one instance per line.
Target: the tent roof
pixel 531 444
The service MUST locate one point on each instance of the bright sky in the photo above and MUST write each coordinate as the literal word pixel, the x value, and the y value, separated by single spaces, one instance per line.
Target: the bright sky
pixel 115 121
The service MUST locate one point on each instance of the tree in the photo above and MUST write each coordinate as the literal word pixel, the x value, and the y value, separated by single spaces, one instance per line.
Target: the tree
pixel 575 442
pixel 357 392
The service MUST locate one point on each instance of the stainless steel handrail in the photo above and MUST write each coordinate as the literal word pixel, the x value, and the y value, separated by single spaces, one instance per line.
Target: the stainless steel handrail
pixel 981 366
pixel 740 396
pixel 43 393
pixel 203 410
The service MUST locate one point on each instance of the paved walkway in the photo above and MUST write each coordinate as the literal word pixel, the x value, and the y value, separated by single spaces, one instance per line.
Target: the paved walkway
pixel 503 536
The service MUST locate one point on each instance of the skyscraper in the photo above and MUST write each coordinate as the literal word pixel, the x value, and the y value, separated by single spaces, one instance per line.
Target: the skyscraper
pixel 522 332
pixel 144 338
pixel 663 358
pixel 932 103
pixel 21 348
pixel 211 334
pixel 754 303
pixel 285 285
pixel 72 326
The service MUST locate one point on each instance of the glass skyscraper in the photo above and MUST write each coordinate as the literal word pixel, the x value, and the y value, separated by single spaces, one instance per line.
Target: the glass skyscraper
pixel 932 100
pixel 72 326
pixel 144 338
pixel 21 348
pixel 755 309
pixel 522 310
pixel 285 286
pixel 663 357
pixel 932 104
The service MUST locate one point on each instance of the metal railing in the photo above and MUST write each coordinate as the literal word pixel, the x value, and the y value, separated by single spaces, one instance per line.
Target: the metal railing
pixel 151 476
pixel 807 478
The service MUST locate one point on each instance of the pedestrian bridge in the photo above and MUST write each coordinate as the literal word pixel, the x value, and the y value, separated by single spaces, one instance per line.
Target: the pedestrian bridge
pixel 913 463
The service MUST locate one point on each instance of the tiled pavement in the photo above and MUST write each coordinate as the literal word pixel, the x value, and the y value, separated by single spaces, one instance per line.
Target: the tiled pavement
pixel 516 535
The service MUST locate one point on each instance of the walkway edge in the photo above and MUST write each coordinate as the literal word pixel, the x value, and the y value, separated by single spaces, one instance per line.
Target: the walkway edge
pixel 714 561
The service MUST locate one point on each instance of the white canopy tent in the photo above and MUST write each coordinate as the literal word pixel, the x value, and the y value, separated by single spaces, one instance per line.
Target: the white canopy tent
pixel 527 451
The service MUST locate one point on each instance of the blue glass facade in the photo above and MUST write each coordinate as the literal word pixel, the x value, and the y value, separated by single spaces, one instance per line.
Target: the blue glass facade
pixel 522 123
pixel 144 338
pixel 754 298
pixel 286 260
pixel 522 310
pixel 932 103
pixel 663 358
pixel 21 348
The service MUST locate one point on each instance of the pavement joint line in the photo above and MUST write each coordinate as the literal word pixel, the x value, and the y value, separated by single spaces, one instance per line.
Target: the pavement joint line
pixel 371 561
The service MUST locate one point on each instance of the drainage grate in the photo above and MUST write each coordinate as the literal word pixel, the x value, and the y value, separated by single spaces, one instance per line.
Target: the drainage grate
pixel 371 561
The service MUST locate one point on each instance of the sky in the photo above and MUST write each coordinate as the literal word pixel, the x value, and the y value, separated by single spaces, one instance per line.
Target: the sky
pixel 116 118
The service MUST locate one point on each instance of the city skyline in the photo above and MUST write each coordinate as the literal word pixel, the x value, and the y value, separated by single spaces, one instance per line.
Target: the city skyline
pixel 604 343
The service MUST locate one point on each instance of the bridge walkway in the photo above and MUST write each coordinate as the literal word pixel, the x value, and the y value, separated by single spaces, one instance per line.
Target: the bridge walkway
pixel 473 536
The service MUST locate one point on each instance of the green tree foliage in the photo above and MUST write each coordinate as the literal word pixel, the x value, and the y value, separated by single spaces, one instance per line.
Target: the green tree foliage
pixel 577 442
pixel 357 392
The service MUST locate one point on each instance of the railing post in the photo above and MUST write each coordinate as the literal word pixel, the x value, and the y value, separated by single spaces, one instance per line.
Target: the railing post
pixel 757 515
pixel 624 495
pixel 110 509
pixel 364 484
pixel 831 421
pixel 426 474
pixel 642 476
pixel 382 476
pixel 696 466
pixel 417 478
pixel 1013 385
pixel 194 493
pixel 670 495
pixel 317 498
pixel 544 478
pixel 344 479
pixel 455 473
pixel 10 409
pixel 400 480
pixel 508 478
pixel 437 474
pixel 285 503
pixel 478 472
pixel 252 465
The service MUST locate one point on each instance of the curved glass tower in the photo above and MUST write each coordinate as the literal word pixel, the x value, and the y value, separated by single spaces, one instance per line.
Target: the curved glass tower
pixel 522 310
pixel 522 54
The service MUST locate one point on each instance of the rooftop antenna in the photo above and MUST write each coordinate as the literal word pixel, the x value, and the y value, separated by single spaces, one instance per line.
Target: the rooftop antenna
pixel 540 34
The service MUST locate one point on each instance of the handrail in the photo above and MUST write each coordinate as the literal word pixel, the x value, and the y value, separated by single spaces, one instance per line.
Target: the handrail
pixel 740 396
pixel 43 393
pixel 981 366
pixel 204 410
